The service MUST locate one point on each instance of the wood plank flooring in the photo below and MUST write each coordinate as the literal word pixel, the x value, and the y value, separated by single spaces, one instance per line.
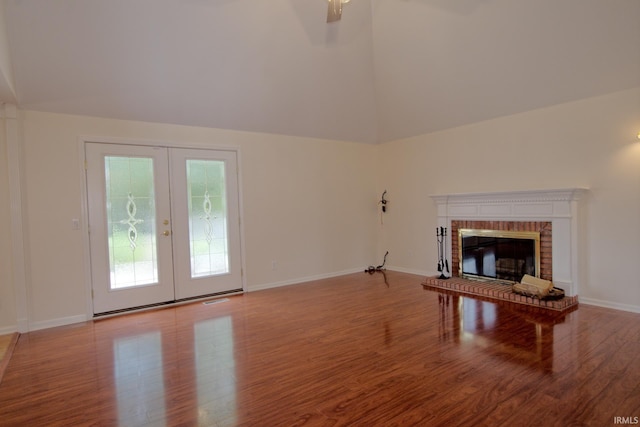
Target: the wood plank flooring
pixel 7 344
pixel 352 350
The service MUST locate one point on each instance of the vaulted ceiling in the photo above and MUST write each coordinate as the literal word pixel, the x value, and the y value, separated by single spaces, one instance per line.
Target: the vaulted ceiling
pixel 389 69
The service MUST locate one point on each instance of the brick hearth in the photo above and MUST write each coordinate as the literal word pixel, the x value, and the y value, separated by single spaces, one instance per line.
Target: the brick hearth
pixel 497 291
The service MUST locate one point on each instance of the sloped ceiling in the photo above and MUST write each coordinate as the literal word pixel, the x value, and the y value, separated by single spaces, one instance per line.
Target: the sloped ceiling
pixel 389 69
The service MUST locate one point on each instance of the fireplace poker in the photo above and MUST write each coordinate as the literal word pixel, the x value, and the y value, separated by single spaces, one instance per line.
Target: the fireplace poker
pixel 439 249
pixel 439 232
pixel 444 252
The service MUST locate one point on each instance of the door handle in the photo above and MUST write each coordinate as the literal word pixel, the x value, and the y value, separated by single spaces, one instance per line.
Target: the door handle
pixel 166 233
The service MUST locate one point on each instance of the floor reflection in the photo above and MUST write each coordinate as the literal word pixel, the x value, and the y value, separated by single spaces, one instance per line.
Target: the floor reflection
pixel 515 333
pixel 139 378
pixel 381 272
pixel 215 370
pixel 156 367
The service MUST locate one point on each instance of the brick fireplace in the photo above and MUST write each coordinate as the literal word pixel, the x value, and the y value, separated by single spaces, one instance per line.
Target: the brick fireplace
pixel 557 214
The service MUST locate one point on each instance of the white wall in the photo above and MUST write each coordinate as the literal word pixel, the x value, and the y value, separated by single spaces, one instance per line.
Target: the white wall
pixel 309 205
pixel 7 297
pixel 589 143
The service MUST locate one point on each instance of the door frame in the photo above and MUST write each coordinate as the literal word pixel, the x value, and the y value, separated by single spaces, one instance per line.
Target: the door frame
pixel 84 211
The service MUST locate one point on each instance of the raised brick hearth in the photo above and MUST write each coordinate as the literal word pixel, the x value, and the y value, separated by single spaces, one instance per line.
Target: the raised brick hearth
pixel 497 291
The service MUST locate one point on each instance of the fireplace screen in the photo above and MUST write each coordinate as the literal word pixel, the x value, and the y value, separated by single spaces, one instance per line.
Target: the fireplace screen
pixel 502 255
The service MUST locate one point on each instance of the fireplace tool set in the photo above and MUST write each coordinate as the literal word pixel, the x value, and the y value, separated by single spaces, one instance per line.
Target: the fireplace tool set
pixel 443 263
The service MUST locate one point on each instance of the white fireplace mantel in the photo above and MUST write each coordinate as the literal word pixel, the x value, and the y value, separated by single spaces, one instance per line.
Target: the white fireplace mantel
pixel 562 207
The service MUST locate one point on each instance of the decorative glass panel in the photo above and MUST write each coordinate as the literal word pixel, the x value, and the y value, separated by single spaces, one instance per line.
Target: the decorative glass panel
pixel 207 217
pixel 131 221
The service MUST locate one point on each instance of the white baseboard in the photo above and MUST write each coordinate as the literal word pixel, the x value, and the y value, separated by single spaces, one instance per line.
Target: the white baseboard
pixel 330 275
pixel 609 304
pixel 5 330
pixel 301 280
pixel 36 326
pixel 22 325
pixel 412 271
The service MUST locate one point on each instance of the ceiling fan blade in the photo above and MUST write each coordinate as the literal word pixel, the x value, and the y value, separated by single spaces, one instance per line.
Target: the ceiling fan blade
pixel 335 10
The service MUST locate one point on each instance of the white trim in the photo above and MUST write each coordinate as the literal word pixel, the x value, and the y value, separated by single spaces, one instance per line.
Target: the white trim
pixel 302 280
pixel 61 321
pixel 241 218
pixel 609 304
pixel 5 330
pixel 84 227
pixel 412 271
pixel 18 232
pixel 168 305
pixel 156 143
pixel 535 196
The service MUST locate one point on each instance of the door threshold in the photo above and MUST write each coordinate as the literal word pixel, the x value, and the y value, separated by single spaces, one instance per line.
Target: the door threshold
pixel 167 304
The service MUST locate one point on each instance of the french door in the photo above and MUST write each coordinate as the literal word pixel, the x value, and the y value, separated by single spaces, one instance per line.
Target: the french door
pixel 164 224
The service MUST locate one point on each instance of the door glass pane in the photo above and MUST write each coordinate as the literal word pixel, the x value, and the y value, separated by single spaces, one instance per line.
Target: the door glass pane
pixel 207 217
pixel 131 221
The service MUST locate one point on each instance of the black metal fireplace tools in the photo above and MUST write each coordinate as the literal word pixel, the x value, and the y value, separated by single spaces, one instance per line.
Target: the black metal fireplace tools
pixel 443 263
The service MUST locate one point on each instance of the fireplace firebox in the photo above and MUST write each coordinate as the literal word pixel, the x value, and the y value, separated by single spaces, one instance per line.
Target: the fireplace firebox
pixel 498 254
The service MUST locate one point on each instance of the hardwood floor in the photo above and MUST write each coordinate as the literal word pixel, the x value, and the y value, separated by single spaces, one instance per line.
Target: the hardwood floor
pixel 7 343
pixel 344 351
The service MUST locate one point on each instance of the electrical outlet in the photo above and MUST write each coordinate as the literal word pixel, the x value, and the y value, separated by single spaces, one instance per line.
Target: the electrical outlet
pixel 75 224
pixel 274 265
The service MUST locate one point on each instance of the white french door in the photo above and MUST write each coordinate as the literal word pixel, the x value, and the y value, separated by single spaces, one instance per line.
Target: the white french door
pixel 164 224
pixel 204 189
